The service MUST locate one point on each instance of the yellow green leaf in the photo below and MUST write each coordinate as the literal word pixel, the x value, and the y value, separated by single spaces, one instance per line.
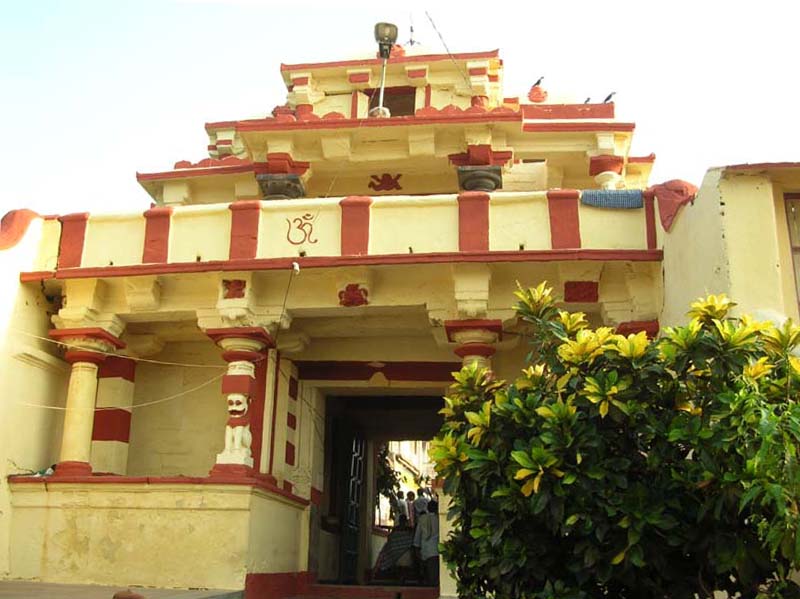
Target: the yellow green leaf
pixel 523 473
pixel 619 557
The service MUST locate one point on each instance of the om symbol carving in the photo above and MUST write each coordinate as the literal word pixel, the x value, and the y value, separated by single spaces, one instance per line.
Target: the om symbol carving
pixel 300 229
pixel 385 182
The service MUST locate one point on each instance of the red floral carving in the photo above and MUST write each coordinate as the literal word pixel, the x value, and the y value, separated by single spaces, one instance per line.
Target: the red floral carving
pixel 353 295
pixel 233 288
pixel 384 182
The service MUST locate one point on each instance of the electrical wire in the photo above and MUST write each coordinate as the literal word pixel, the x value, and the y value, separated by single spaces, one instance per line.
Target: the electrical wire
pixel 450 54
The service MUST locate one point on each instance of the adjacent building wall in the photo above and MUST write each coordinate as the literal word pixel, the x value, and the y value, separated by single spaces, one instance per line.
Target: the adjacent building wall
pixel 31 371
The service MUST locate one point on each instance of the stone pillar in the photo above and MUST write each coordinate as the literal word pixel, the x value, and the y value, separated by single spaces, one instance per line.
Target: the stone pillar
pixel 112 416
pixel 606 170
pixel 243 348
pixel 87 349
pixel 476 340
pixel 447 583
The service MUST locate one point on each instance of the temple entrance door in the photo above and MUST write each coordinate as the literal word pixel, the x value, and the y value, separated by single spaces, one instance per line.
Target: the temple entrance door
pixel 352 504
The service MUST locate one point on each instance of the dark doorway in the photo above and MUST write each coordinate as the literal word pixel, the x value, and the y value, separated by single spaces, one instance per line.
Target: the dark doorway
pixel 356 429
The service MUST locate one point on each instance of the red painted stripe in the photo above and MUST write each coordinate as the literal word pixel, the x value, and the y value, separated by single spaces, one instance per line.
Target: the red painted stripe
pixel 651 327
pixel 156 235
pixel 316 496
pixel 291 421
pixel 649 159
pixel 576 127
pixel 397 121
pixel 355 225
pixel 473 221
pixel 112 425
pixel 90 332
pixel 581 291
pixel 477 71
pixel 300 81
pixel 257 403
pixel 245 216
pixel 274 405
pixel 395 60
pixel 565 232
pixel 650 221
pixel 293 388
pixel 358 77
pixel 428 93
pixel 362 371
pixel 354 105
pixel 190 173
pixel 117 367
pixel 288 487
pixel 454 326
pixel 416 73
pixel 289 453
pixel 568 111
pixel 556 255
pixel 276 585
pixel 237 383
pixel 73 233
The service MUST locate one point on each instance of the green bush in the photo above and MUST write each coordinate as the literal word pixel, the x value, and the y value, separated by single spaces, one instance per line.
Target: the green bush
pixel 626 468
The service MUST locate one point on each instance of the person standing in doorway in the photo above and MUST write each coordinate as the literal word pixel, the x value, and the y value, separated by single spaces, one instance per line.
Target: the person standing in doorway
pixel 400 508
pixel 420 504
pixel 410 509
pixel 426 541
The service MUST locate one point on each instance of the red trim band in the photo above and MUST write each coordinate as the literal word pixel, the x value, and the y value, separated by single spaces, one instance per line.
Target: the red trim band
pixel 245 217
pixel 355 225
pixel 117 367
pixel 473 221
pixel 650 221
pixel 555 255
pixel 73 234
pixel 156 235
pixel 290 453
pixel 112 425
pixel 581 291
pixel 565 231
pixel 363 371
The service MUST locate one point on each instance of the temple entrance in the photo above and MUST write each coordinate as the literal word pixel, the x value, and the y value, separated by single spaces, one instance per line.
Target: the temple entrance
pixel 376 447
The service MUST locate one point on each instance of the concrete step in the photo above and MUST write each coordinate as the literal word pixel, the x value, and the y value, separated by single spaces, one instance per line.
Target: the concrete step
pixel 348 591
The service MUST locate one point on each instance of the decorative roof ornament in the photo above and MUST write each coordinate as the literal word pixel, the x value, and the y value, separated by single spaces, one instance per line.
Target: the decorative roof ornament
pixel 537 93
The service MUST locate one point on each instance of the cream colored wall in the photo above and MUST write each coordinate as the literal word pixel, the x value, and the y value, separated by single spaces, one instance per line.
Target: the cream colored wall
pixel 31 372
pixel 275 542
pixel 200 233
pixel 47 250
pixel 605 228
pixel 788 285
pixel 167 536
pixel 328 556
pixel 519 221
pixel 751 236
pixel 181 436
pixel 278 228
pixel 432 227
pixel 695 256
pixel 334 103
pixel 113 240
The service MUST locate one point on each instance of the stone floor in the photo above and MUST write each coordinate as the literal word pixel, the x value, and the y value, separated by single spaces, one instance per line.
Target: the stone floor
pixel 12 589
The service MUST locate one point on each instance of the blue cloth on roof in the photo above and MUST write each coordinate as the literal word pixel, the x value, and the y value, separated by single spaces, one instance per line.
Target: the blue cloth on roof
pixel 613 198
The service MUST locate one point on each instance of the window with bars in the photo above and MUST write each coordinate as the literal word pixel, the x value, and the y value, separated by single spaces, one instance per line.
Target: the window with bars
pixel 793 218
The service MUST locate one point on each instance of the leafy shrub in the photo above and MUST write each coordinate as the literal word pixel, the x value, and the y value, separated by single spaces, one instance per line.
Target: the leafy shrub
pixel 627 468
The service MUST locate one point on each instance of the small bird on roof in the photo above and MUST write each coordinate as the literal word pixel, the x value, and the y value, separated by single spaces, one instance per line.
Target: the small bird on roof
pixel 608 97
pixel 539 81
pixel 587 100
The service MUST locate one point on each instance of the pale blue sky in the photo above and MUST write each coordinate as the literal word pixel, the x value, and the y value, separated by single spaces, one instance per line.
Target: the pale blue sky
pixel 92 91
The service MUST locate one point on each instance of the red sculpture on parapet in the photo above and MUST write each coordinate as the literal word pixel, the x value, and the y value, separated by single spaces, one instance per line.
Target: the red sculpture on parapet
pixel 385 182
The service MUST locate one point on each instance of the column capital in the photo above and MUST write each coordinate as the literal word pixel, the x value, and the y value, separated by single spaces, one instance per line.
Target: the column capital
pixel 86 341
pixel 241 338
